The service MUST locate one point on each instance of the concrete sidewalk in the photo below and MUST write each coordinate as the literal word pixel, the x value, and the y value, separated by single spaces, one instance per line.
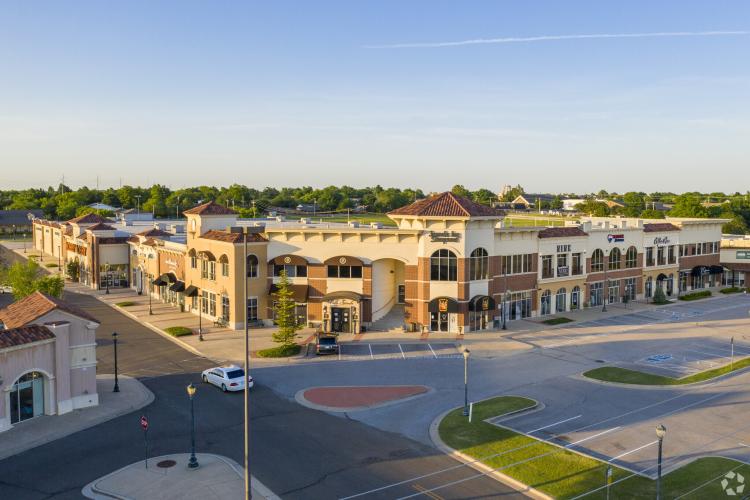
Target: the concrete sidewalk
pixel 168 477
pixel 44 429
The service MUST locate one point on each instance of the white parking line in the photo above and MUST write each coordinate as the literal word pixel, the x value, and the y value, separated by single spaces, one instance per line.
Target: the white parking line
pixel 707 354
pixel 433 352
pixel 370 346
pixel 556 423
pixel 633 451
pixel 403 356
pixel 592 437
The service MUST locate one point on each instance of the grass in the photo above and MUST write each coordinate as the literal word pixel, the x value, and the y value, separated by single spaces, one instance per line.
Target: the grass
pixel 361 218
pixel 281 351
pixel 557 321
pixel 625 376
pixel 178 331
pixel 733 289
pixel 561 473
pixel 125 303
pixel 696 295
pixel 50 264
pixel 541 221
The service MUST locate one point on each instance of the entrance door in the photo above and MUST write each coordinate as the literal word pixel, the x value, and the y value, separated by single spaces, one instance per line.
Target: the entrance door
pixel 340 319
pixel 439 321
pixel 300 312
pixel 27 398
pixel 453 323
pixel 401 294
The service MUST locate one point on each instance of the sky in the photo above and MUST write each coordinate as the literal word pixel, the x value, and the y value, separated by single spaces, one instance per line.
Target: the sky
pixel 571 96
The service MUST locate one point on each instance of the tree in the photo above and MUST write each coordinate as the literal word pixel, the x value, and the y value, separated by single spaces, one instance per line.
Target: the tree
pixel 459 190
pixel 634 204
pixel 73 269
pixel 593 207
pixel 484 196
pixel 284 312
pixel 652 214
pixel 27 277
pixel 556 203
pixel 513 193
pixel 659 296
pixel 688 205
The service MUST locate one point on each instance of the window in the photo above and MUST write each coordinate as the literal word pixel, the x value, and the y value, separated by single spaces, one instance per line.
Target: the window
pixel 212 304
pixel 225 307
pixel 614 291
pixel 252 308
pixel 682 250
pixel 670 255
pixel 630 289
pixel 547 271
pixel 649 287
pixel 292 271
pixel 615 258
pixel 204 269
pixel 443 266
pixel 661 258
pixel 560 299
pixel 344 271
pixel 575 298
pixel 516 264
pixel 224 261
pixel 479 265
pixel 193 261
pixel 252 266
pixel 562 265
pixel 698 249
pixel 596 295
pixel 212 270
pixel 546 302
pixel 577 268
pixel 597 261
pixel 631 257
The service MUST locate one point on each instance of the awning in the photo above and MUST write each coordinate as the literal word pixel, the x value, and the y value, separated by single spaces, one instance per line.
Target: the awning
pixel 482 303
pixel 191 291
pixel 443 304
pixel 343 295
pixel 698 270
pixel 160 281
pixel 165 279
pixel 178 286
pixel 716 269
pixel 662 277
pixel 299 292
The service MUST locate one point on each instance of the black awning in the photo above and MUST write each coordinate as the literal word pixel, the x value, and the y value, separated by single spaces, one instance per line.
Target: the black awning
pixel 299 292
pixel 178 286
pixel 165 279
pixel 716 269
pixel 482 303
pixel 443 304
pixel 698 270
pixel 191 291
pixel 160 281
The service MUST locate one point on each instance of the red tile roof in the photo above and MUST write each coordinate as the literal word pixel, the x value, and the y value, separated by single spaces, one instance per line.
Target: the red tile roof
pixel 562 232
pixel 154 232
pixel 231 237
pixel 24 335
pixel 659 227
pixel 91 218
pixel 28 309
pixel 100 226
pixel 446 205
pixel 210 208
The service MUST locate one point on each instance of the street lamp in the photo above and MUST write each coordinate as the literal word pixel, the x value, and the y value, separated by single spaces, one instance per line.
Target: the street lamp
pixel 106 276
pixel 466 354
pixel 114 343
pixel 605 292
pixel 661 431
pixel 506 306
pixel 150 291
pixel 193 462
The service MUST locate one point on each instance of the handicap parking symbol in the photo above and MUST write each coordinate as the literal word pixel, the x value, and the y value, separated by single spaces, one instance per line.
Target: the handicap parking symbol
pixel 659 358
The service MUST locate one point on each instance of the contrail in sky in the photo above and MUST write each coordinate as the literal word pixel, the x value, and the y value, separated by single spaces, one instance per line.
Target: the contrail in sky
pixel 551 38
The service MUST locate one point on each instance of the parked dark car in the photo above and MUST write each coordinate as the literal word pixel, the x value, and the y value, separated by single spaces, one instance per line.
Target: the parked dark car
pixel 327 344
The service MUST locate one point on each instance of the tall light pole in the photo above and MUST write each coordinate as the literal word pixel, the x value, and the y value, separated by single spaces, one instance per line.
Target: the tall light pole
pixel 193 462
pixel 661 431
pixel 246 393
pixel 506 303
pixel 150 291
pixel 605 292
pixel 466 381
pixel 114 343
pixel 106 276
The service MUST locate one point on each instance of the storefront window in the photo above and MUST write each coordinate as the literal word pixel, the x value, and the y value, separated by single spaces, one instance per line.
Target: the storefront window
pixel 443 266
pixel 615 258
pixel 479 265
pixel 631 258
pixel 597 261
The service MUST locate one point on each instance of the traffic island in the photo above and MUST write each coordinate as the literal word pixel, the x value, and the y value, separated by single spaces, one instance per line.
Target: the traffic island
pixel 169 477
pixel 543 470
pixel 355 398
pixel 617 375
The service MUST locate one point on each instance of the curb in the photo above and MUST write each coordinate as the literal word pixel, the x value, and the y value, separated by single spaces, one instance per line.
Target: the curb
pixel 299 396
pixel 477 465
pixel 581 376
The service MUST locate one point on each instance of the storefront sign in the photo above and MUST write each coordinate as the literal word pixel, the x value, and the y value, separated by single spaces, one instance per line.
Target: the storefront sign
pixel 743 254
pixel 615 238
pixel 445 236
pixel 443 305
pixel 662 240
pixel 563 271
pixel 171 263
pixel 486 304
pixel 563 248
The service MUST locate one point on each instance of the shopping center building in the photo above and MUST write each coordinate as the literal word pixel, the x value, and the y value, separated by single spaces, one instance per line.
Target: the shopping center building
pixel 447 264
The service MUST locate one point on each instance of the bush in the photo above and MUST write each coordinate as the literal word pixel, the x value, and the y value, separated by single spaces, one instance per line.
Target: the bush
pixel 659 296
pixel 50 264
pixel 733 289
pixel 557 321
pixel 126 303
pixel 178 331
pixel 282 351
pixel 696 295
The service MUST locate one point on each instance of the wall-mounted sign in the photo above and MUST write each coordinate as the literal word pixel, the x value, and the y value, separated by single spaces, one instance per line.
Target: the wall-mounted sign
pixel 743 254
pixel 563 271
pixel 615 238
pixel 662 240
pixel 445 236
pixel 563 248
pixel 486 304
pixel 443 305
pixel 171 263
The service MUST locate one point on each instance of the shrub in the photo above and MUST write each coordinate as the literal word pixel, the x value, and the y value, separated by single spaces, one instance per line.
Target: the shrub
pixel 557 321
pixel 660 297
pixel 696 295
pixel 50 264
pixel 125 303
pixel 178 331
pixel 282 351
pixel 733 289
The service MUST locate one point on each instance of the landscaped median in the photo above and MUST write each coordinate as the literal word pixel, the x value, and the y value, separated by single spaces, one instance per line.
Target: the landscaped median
pixel 634 377
pixel 561 473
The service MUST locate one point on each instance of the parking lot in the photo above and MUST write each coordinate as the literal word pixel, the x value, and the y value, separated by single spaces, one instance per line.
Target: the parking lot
pixel 692 356
pixel 361 351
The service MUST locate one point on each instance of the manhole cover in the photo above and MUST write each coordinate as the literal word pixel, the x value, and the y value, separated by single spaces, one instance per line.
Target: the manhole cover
pixel 166 464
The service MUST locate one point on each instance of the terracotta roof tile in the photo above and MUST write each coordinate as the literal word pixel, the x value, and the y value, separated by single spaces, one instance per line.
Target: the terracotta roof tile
pixel 100 226
pixel 659 227
pixel 91 218
pixel 210 208
pixel 446 205
pixel 154 232
pixel 28 309
pixel 24 335
pixel 231 237
pixel 562 232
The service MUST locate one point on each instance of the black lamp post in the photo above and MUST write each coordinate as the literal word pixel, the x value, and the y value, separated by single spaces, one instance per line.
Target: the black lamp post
pixel 605 292
pixel 193 462
pixel 114 343
pixel 466 382
pixel 660 432
pixel 106 276
pixel 200 319
pixel 506 306
pixel 150 290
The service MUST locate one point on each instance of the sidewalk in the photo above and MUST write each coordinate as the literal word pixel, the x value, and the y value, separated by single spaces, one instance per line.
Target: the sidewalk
pixel 44 429
pixel 168 477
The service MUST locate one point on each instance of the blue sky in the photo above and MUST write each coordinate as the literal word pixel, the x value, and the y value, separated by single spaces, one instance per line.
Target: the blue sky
pixel 291 93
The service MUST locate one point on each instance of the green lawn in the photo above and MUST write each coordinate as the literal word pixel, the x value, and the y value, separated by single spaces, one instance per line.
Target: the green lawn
pixel 282 351
pixel 178 331
pixel 561 473
pixel 625 376
pixel 542 221
pixel 361 218
pixel 557 321
pixel 125 303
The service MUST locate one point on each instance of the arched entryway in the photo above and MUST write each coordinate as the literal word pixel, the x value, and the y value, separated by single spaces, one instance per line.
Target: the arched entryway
pixel 481 312
pixel 27 397
pixel 342 312
pixel 443 315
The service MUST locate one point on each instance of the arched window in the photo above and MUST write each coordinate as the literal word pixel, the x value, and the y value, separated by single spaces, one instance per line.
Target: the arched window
pixel 443 266
pixel 649 287
pixel 546 303
pixel 597 261
pixel 27 397
pixel 224 261
pixel 615 259
pixel 193 259
pixel 560 300
pixel 575 298
pixel 479 265
pixel 631 257
pixel 208 266
pixel 252 266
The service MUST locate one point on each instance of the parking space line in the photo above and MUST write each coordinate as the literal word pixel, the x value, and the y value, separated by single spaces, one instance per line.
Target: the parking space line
pixel 370 347
pixel 708 354
pixel 556 423
pixel 592 437
pixel 403 356
pixel 633 451
pixel 433 352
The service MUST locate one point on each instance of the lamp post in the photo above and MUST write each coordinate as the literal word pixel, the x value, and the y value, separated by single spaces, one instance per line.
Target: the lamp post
pixel 466 354
pixel 660 433
pixel 106 276
pixel 193 462
pixel 200 317
pixel 246 392
pixel 506 305
pixel 114 343
pixel 150 291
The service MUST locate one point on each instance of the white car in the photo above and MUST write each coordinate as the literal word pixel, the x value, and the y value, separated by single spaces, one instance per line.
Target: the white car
pixel 227 378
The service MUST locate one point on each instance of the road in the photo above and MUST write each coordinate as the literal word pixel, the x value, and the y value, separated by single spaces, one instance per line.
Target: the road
pixel 297 452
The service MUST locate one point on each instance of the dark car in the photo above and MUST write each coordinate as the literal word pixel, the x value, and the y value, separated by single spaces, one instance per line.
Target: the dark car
pixel 327 344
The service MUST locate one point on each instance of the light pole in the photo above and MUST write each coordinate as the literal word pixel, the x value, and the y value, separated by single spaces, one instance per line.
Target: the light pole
pixel 605 292
pixel 106 276
pixel 506 305
pixel 193 462
pixel 246 392
pixel 660 432
pixel 150 291
pixel 114 343
pixel 466 354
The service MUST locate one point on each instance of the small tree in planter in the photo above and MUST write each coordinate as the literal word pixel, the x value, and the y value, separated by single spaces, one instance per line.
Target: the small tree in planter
pixel 659 296
pixel 73 269
pixel 284 311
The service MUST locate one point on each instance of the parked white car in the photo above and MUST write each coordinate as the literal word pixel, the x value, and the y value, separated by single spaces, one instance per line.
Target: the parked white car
pixel 227 378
